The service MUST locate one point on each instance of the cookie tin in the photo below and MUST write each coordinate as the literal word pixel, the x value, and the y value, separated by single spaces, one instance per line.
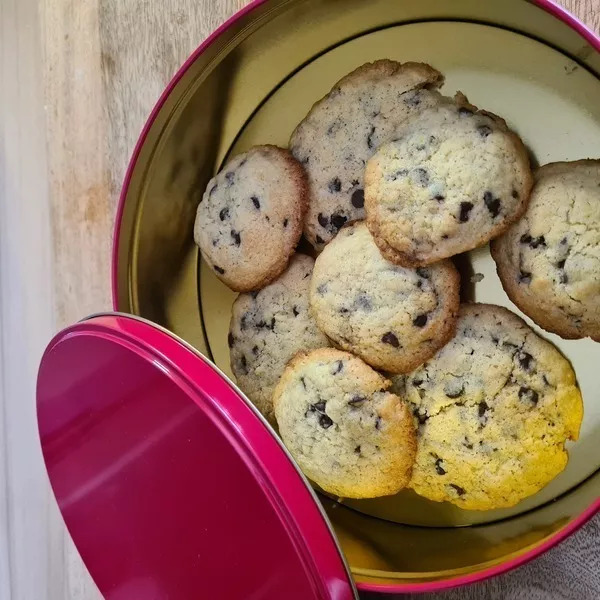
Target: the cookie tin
pixel 251 82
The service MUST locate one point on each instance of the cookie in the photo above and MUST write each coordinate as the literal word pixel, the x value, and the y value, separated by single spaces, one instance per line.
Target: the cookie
pixel 250 217
pixel 343 129
pixel 347 433
pixel 393 317
pixel 494 408
pixel 549 261
pixel 455 178
pixel 268 328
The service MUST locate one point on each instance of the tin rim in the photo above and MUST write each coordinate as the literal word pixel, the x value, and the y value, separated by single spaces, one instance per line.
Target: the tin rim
pixel 551 7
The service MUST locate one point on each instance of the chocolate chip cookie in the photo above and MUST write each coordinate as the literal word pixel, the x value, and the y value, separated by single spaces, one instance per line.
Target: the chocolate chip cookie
pixel 549 261
pixel 346 431
pixel 250 217
pixel 393 317
pixel 455 178
pixel 494 409
pixel 268 328
pixel 344 129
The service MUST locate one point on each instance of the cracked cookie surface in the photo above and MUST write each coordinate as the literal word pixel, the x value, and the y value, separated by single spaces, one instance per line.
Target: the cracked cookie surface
pixel 393 317
pixel 250 217
pixel 549 261
pixel 268 328
pixel 494 408
pixel 343 130
pixel 345 430
pixel 455 178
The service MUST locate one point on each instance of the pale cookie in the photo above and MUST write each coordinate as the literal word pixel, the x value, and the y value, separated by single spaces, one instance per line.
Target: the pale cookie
pixel 549 261
pixel 346 432
pixel 494 407
pixel 455 178
pixel 250 217
pixel 342 130
pixel 393 317
pixel 268 328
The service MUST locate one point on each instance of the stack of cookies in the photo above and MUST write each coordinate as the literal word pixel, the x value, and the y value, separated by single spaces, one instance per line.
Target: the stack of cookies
pixel 363 357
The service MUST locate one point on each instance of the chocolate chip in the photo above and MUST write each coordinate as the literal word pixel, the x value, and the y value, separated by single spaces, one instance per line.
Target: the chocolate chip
pixel 303 382
pixel 325 422
pixel 229 177
pixel 438 467
pixel 319 240
pixel 213 189
pixel 338 220
pixel 357 401
pixel 493 204
pixel 417 382
pixel 319 406
pixel 539 241
pixel 421 176
pixel 344 311
pixel 419 284
pixel 465 209
pixel 236 237
pixel 335 185
pixel 243 323
pixel 256 202
pixel 378 422
pixel 262 324
pixel 528 394
pixel 563 241
pixel 484 130
pixel 525 360
pixel 295 311
pixel 370 137
pixel 561 263
pixel 337 367
pixel 358 198
pixel 482 407
pixel 219 269
pixel 272 324
pixel 525 277
pixel 563 278
pixel 255 350
pixel 514 194
pixel 525 238
pixel 420 321
pixel 244 364
pixel 465 112
pixel 424 273
pixel 224 214
pixel 439 198
pixel 460 491
pixel 230 340
pixel 285 223
pixel 391 339
pixel 357 450
pixel 323 220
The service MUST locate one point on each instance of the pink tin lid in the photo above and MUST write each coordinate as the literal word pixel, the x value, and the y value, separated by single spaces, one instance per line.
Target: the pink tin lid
pixel 169 481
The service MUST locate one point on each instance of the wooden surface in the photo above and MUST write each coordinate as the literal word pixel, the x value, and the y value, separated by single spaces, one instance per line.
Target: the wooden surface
pixel 77 80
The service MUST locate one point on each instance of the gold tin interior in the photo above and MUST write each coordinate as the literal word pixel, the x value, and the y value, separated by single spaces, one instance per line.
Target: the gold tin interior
pixel 253 85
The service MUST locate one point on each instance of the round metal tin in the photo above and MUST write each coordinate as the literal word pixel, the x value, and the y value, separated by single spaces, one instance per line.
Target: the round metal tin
pixel 251 82
pixel 170 483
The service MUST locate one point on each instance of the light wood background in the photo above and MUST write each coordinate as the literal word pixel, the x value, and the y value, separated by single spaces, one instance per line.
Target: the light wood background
pixel 77 80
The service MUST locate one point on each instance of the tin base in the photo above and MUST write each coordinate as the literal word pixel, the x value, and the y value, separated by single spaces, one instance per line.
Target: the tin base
pixel 548 96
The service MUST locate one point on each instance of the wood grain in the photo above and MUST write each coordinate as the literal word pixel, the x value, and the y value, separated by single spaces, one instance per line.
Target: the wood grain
pixel 78 80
